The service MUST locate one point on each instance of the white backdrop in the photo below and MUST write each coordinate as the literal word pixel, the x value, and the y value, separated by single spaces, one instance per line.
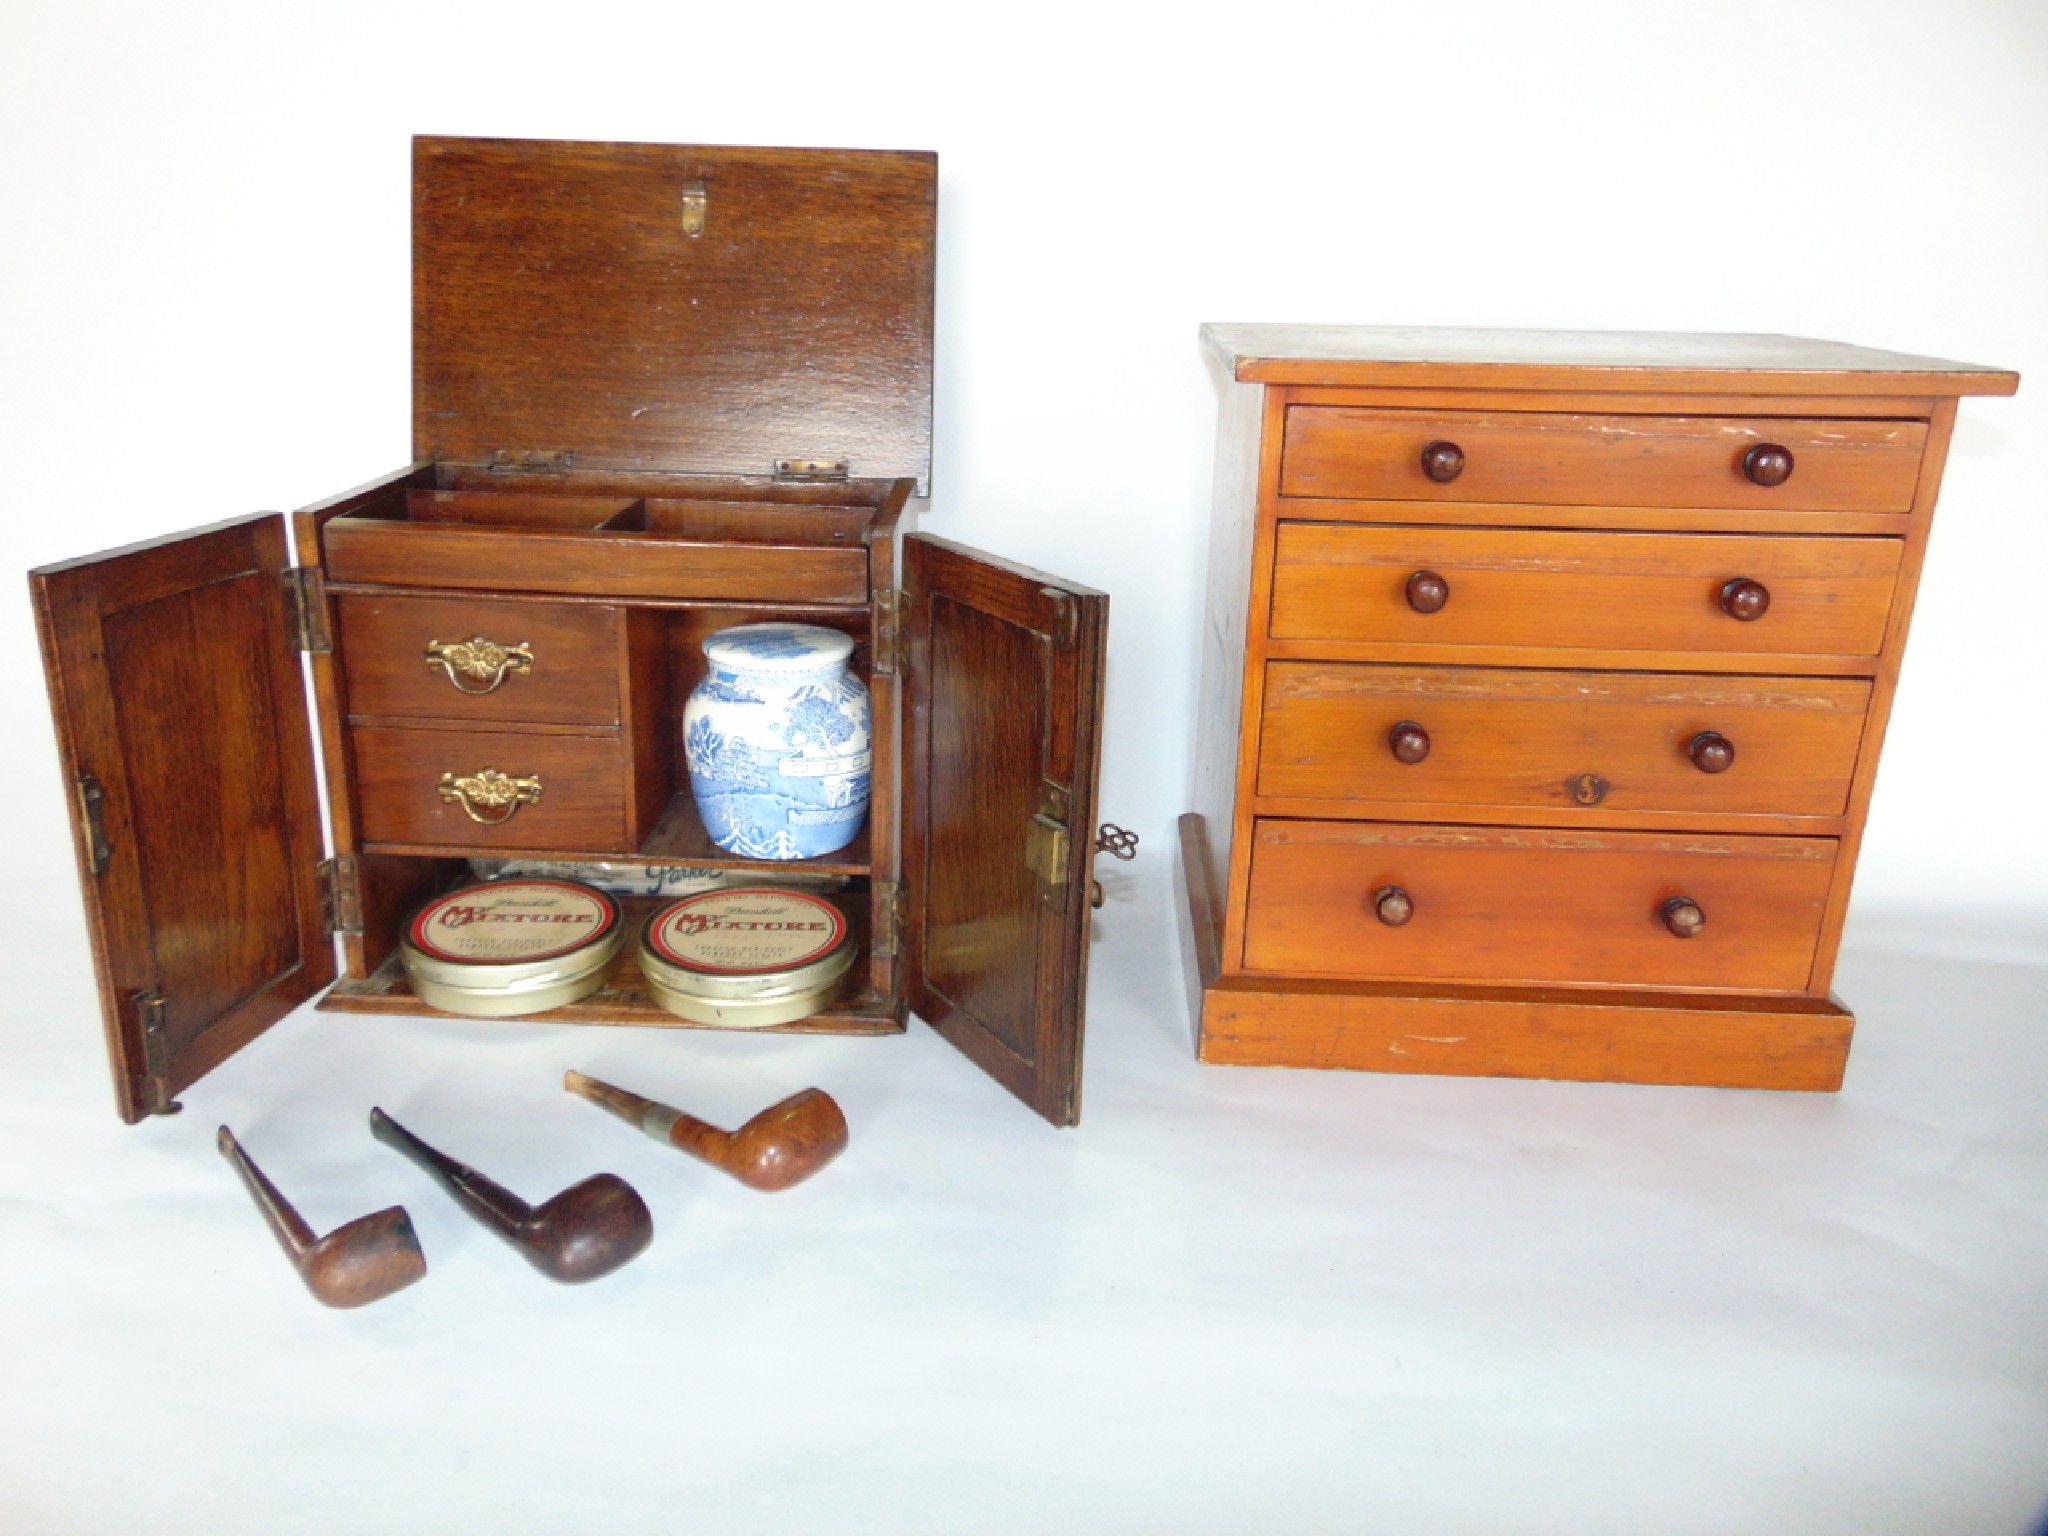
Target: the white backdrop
pixel 204 310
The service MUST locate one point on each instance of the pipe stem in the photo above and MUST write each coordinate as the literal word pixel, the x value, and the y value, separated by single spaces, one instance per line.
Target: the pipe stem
pixel 291 1229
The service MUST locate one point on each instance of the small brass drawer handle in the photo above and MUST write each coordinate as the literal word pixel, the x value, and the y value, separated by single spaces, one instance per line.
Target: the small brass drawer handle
pixel 485 661
pixel 1711 752
pixel 1409 742
pixel 488 796
pixel 1682 915
pixel 1767 464
pixel 1392 905
pixel 1443 462
pixel 1427 591
pixel 1744 600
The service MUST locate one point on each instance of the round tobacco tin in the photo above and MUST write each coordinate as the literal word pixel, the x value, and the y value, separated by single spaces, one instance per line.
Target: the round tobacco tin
pixel 510 947
pixel 745 958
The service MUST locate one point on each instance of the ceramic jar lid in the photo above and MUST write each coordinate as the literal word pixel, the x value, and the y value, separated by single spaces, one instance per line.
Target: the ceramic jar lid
pixel 746 957
pixel 511 947
pixel 778 648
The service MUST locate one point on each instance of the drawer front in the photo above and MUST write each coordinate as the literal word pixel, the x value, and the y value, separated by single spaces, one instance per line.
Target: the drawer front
pixel 581 806
pixel 1606 591
pixel 1356 453
pixel 1617 740
pixel 468 659
pixel 1522 905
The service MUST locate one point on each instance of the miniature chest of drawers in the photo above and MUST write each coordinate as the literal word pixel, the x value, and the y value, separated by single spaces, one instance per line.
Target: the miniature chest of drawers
pixel 1544 681
pixel 657 390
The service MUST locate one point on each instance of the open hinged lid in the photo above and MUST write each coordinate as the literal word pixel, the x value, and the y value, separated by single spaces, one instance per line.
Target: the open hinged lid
pixel 183 730
pixel 1003 709
pixel 670 308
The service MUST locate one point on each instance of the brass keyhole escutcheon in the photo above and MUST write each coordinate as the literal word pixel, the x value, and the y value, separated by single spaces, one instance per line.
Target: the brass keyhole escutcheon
pixel 1587 788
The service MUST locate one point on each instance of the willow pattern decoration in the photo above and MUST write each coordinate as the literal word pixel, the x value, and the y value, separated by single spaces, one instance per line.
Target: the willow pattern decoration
pixel 488 796
pixel 486 661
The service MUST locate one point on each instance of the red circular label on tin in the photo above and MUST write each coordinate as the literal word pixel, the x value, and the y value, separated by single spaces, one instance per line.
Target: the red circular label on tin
pixel 511 922
pixel 750 931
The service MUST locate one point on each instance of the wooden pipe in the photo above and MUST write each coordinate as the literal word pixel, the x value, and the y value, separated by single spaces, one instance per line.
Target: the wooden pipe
pixel 360 1262
pixel 588 1230
pixel 783 1145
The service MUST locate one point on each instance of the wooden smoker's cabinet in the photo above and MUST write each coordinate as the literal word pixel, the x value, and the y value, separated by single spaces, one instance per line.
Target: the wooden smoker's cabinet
pixel 657 390
pixel 1543 687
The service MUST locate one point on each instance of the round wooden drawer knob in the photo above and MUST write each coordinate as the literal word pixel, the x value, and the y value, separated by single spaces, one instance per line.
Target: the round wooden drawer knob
pixel 1744 599
pixel 1427 592
pixel 1767 464
pixel 1682 915
pixel 1711 752
pixel 1409 742
pixel 1392 905
pixel 1444 462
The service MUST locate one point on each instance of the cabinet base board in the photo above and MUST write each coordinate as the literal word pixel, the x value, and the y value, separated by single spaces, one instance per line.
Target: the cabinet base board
pixel 623 999
pixel 1623 1037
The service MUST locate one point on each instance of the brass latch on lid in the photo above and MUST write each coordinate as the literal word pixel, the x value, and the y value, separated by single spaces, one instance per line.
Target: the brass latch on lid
pixel 696 204
pixel 156 1054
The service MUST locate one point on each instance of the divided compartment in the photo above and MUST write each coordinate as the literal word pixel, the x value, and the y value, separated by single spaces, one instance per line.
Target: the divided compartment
pixel 733 541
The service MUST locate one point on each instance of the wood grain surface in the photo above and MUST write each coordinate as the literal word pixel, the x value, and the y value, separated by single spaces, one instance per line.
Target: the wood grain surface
pixel 1621 591
pixel 1530 905
pixel 582 807
pixel 1612 742
pixel 1644 461
pixel 574 678
pixel 1003 683
pixel 175 690
pixel 559 303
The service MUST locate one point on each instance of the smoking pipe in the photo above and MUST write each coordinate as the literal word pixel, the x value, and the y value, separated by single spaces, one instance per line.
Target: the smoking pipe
pixel 588 1230
pixel 352 1266
pixel 783 1145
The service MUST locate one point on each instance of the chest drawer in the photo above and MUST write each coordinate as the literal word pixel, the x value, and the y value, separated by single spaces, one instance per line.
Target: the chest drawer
pixel 1522 905
pixel 521 789
pixel 1627 741
pixel 1608 591
pixel 472 659
pixel 1573 460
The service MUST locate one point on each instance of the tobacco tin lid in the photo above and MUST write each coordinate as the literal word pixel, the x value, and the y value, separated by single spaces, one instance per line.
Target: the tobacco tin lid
pixel 748 942
pixel 513 933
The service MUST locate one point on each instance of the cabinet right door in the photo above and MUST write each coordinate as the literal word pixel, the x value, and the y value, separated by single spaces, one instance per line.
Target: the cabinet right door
pixel 1003 670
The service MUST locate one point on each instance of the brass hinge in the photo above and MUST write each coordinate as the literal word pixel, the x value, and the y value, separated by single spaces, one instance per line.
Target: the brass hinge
pixel 888 647
pixel 890 917
pixel 1048 847
pixel 91 798
pixel 1066 617
pixel 156 1054
pixel 810 471
pixel 305 595
pixel 531 461
pixel 341 894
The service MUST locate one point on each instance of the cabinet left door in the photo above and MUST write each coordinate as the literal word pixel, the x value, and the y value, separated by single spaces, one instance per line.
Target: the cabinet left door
pixel 183 730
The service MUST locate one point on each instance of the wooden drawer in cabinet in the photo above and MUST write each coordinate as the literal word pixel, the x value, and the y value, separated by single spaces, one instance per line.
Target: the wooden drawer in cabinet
pixel 1363 454
pixel 1511 904
pixel 1620 741
pixel 470 659
pixel 509 789
pixel 1761 594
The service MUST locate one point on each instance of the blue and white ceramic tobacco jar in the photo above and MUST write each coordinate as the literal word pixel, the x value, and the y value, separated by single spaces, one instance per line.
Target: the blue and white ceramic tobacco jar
pixel 777 739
